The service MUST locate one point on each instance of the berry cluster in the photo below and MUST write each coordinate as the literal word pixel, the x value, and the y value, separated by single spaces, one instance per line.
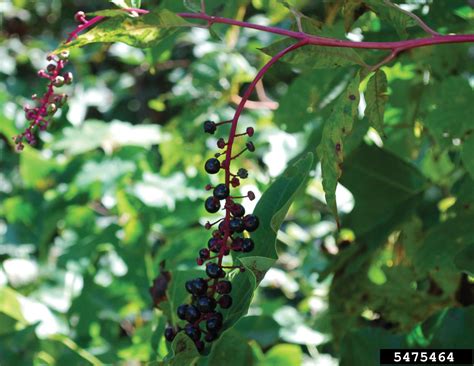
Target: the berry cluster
pixel 47 105
pixel 231 234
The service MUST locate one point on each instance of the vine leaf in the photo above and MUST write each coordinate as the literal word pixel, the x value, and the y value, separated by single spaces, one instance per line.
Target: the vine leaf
pixel 316 57
pixel 331 149
pixel 467 154
pixel 353 9
pixel 464 260
pixel 143 31
pixel 376 97
pixel 271 210
pixel 393 15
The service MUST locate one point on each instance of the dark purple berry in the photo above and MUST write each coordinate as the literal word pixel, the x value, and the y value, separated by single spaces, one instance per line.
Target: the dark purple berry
pixel 221 228
pixel 221 191
pixel 251 195
pixel 196 287
pixel 214 271
pixel 214 245
pixel 218 316
pixel 192 314
pixel 212 166
pixel 192 332
pixel 181 311
pixel 213 325
pixel 237 244
pixel 210 337
pixel 210 127
pixel 251 223
pixel 212 205
pixel 169 334
pixel 247 245
pixel 204 254
pixel 238 210
pixel 224 287
pixel 250 146
pixel 243 173
pixel 225 301
pixel 206 304
pixel 236 224
pixel 250 131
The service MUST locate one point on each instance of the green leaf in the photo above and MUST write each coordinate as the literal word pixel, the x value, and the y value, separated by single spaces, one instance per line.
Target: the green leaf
pixel 444 241
pixel 392 15
pixel 467 154
pixel 450 109
pixel 316 57
pixel 376 97
pixel 144 31
pixel 353 9
pixel 387 179
pixel 464 260
pixel 10 304
pixel 455 330
pixel 283 355
pixel 271 210
pixel 370 340
pixel 331 149
pixel 231 350
pixel 263 329
pixel 183 351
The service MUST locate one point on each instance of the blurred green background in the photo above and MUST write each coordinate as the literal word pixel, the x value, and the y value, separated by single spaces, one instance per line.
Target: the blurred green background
pixel 115 188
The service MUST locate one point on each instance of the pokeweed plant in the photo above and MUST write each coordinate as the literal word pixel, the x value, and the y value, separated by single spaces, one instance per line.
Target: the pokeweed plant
pixel 221 297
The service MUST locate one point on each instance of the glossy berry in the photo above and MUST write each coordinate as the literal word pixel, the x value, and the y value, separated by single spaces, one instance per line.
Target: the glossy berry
pixel 214 245
pixel 251 223
pixel 221 228
pixel 250 131
pixel 218 316
pixel 204 253
pixel 224 287
pixel 243 173
pixel 225 301
pixel 169 334
pixel 210 337
pixel 192 332
pixel 212 166
pixel 192 314
pixel 238 210
pixel 181 311
pixel 196 287
pixel 236 225
pixel 237 244
pixel 214 271
pixel 221 191
pixel 250 146
pixel 206 304
pixel 213 325
pixel 212 205
pixel 210 127
pixel 247 245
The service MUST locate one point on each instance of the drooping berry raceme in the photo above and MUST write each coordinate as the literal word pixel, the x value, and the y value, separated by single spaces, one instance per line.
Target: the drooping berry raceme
pixel 212 294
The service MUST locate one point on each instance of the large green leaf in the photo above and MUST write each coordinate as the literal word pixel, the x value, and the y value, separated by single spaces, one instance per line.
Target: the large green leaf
pixel 144 31
pixel 317 57
pixel 392 15
pixel 388 184
pixel 467 154
pixel 271 210
pixel 375 97
pixel 331 149
pixel 464 260
pixel 231 350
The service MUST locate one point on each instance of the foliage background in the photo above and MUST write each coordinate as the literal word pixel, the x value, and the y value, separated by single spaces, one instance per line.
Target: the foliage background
pixel 115 190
